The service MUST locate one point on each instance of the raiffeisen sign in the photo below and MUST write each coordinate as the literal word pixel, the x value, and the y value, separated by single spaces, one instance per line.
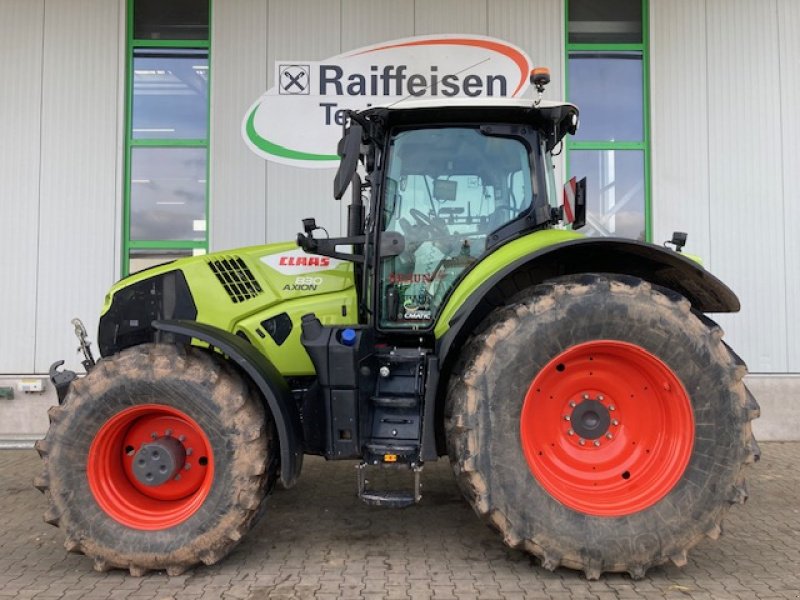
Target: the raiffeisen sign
pixel 299 120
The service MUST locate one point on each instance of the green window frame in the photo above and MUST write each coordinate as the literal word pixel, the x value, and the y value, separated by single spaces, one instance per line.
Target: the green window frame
pixel 133 45
pixel 644 145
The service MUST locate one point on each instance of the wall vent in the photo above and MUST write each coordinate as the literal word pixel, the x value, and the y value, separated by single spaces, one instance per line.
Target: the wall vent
pixel 235 277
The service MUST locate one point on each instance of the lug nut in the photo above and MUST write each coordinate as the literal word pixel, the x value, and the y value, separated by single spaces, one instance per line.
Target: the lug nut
pixel 586 396
pixel 601 397
pixel 189 451
pixel 187 466
pixel 609 436
pixel 597 443
pixel 582 442
pixel 566 417
pixel 178 477
pixel 181 438
pixel 571 432
pixel 168 432
pixel 154 435
pixel 611 407
pixel 572 404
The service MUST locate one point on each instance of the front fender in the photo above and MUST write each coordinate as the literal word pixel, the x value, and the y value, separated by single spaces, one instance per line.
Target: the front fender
pixel 265 376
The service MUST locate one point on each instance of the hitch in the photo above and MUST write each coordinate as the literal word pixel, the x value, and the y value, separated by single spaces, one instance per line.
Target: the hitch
pixel 61 380
pixel 85 347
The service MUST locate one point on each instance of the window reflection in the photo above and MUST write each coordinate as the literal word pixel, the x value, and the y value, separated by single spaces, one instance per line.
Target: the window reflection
pixel 168 194
pixel 605 21
pixel 170 94
pixel 141 259
pixel 608 89
pixel 173 20
pixel 614 190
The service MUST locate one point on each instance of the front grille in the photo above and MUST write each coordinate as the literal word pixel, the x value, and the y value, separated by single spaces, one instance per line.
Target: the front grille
pixel 235 277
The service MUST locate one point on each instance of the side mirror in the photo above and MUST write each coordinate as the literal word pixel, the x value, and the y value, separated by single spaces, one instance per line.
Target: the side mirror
pixel 349 150
pixel 575 202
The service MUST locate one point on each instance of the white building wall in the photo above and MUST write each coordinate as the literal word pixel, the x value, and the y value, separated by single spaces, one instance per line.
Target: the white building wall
pixel 237 178
pixel 59 117
pixel 724 139
pixel 21 34
pixel 79 198
pixel 789 152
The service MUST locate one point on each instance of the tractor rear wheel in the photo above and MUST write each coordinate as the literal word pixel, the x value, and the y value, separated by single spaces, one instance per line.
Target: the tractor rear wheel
pixel 159 459
pixel 601 424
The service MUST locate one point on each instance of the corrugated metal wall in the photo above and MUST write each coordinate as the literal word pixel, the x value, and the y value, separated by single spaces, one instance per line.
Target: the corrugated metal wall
pixel 58 173
pixel 726 83
pixel 789 151
pixel 21 35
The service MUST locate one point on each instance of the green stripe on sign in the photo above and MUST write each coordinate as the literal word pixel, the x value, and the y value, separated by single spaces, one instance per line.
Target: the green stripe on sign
pixel 277 150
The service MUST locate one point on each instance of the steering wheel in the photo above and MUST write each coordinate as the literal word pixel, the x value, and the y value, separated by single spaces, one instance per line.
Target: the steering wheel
pixel 435 227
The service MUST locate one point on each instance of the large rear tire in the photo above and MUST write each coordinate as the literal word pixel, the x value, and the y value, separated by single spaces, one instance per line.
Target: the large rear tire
pixel 601 424
pixel 159 459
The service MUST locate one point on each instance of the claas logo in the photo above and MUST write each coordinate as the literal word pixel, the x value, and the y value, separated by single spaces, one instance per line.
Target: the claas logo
pixel 304 261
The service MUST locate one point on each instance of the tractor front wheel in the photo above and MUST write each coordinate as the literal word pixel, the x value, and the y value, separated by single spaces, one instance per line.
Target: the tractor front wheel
pixel 159 459
pixel 600 423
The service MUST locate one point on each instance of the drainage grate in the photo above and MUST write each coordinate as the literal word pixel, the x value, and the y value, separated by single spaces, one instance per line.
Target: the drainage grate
pixel 235 277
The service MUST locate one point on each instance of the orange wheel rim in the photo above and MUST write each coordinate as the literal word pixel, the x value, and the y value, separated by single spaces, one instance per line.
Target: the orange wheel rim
pixel 123 489
pixel 607 428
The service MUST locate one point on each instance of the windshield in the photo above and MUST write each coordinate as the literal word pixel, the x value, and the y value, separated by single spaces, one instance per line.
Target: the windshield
pixel 446 190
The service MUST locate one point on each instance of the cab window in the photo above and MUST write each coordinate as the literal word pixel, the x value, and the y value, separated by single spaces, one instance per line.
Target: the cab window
pixel 446 190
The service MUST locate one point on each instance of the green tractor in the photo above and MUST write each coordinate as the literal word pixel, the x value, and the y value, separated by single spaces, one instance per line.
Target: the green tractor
pixel 591 412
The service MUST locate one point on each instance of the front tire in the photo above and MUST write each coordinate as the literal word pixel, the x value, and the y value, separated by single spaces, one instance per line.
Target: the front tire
pixel 159 459
pixel 600 424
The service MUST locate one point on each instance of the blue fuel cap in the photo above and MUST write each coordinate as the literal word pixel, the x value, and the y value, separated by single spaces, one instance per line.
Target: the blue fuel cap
pixel 348 337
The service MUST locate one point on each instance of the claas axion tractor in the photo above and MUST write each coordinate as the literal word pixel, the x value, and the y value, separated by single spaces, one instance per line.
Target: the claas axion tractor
pixel 590 410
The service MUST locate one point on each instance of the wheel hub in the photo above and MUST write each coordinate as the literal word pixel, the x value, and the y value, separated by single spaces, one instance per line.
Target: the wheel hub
pixel 607 428
pixel 159 461
pixel 590 419
pixel 150 467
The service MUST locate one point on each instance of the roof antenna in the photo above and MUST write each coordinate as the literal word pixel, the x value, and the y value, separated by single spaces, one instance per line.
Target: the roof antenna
pixel 540 77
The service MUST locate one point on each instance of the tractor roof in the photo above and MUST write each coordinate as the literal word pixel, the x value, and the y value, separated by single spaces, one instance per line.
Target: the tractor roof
pixel 555 119
pixel 485 102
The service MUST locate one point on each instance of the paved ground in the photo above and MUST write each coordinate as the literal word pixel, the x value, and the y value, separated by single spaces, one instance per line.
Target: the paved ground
pixel 319 541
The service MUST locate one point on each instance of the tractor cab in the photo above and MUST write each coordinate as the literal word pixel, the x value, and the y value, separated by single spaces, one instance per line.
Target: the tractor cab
pixel 446 183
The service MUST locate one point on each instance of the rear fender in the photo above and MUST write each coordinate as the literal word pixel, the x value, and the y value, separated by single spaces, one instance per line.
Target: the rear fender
pixel 655 264
pixel 265 376
pixel 651 263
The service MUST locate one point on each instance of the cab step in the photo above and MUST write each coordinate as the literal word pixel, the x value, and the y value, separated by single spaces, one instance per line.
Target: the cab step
pixel 388 498
pixel 395 401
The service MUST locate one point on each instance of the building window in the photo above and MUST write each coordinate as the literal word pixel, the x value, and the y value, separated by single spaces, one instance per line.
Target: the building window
pixel 607 78
pixel 166 150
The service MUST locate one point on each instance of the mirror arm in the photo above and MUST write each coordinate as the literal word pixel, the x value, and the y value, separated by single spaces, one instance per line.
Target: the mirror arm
pixel 327 246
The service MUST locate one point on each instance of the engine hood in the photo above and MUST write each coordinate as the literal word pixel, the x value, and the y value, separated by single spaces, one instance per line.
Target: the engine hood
pixel 222 289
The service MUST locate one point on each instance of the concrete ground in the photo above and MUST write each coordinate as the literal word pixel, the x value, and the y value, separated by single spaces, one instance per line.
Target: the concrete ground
pixel 318 541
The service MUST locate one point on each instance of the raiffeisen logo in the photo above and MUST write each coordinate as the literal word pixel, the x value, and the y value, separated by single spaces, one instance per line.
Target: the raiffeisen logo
pixel 395 80
pixel 299 120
